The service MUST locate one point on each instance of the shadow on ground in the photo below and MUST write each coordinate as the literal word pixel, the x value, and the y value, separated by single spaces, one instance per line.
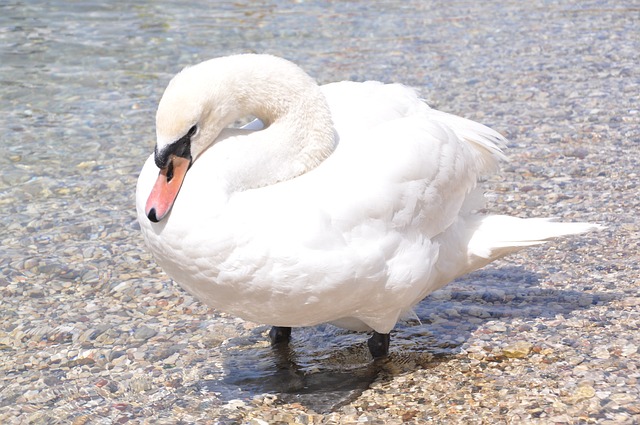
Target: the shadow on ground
pixel 324 367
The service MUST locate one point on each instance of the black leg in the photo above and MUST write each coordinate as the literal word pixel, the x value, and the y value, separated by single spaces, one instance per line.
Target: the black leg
pixel 379 345
pixel 279 335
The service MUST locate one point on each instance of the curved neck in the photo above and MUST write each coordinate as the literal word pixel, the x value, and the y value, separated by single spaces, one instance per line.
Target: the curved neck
pixel 298 133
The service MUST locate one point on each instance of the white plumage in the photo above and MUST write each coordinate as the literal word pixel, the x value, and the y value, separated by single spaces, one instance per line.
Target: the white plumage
pixel 347 203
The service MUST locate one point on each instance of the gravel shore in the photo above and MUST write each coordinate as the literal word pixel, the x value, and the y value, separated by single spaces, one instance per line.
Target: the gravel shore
pixel 92 331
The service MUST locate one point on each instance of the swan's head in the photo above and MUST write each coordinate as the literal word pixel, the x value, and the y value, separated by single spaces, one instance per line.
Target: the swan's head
pixel 204 99
pixel 190 116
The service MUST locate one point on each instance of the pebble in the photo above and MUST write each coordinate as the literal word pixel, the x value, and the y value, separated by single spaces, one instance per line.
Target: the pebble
pixel 631 302
pixel 629 350
pixel 602 353
pixel 144 333
pixel 517 350
pixel 582 392
pixel 497 327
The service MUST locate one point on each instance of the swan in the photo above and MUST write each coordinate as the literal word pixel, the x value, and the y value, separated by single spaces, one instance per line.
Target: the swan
pixel 346 203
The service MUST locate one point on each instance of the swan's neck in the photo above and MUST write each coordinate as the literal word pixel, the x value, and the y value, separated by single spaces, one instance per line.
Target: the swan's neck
pixel 298 133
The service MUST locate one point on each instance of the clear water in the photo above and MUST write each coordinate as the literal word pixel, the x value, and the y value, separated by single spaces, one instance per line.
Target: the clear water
pixel 79 84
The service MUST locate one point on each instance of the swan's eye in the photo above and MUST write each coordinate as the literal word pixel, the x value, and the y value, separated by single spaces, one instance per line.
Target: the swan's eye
pixel 192 131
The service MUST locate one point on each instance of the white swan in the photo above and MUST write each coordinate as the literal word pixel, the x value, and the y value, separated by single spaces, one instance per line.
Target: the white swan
pixel 347 203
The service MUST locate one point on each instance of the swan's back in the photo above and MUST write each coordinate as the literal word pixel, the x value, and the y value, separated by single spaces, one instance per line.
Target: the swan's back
pixel 401 156
pixel 358 106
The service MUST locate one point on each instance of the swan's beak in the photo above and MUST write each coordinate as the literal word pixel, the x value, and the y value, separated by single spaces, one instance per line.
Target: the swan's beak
pixel 166 188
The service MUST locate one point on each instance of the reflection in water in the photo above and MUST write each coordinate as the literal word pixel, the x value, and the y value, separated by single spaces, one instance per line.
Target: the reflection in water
pixel 325 367
pixel 320 376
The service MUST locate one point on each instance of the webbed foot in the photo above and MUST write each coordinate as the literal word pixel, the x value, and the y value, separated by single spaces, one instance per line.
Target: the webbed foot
pixel 279 335
pixel 379 345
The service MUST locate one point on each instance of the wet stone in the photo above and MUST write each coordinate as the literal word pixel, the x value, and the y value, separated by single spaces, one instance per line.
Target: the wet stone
pixel 517 350
pixel 144 333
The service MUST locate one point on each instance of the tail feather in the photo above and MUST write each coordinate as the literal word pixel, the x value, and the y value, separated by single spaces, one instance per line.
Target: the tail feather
pixel 474 241
pixel 497 235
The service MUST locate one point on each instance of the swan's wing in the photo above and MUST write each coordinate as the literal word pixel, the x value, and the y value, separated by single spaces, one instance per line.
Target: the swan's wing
pixel 400 174
pixel 401 161
pixel 359 228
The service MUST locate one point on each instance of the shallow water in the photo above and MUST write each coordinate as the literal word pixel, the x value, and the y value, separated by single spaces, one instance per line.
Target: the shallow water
pixel 79 89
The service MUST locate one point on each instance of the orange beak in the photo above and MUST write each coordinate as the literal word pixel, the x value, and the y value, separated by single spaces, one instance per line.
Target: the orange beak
pixel 166 188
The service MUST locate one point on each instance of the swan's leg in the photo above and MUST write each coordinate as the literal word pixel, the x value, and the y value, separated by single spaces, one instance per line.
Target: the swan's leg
pixel 279 334
pixel 379 345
